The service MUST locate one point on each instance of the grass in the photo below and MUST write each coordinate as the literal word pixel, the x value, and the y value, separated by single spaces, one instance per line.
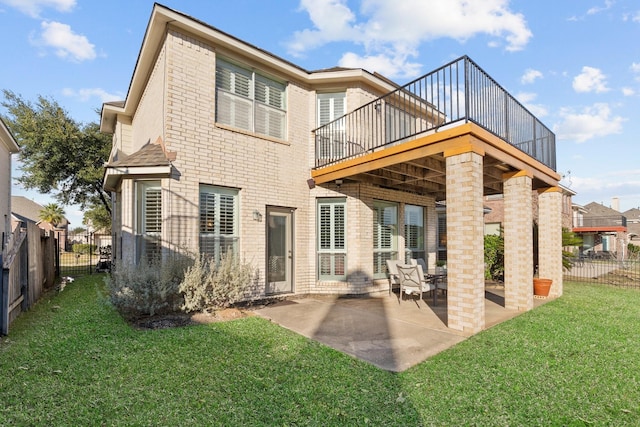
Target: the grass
pixel 72 360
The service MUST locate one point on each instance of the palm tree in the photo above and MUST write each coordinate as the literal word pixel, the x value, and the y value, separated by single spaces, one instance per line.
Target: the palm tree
pixel 52 213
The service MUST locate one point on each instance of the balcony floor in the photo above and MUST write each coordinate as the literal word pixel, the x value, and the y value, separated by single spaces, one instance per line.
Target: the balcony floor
pixel 419 165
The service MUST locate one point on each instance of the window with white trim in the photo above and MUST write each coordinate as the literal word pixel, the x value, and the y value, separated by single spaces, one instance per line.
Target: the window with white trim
pixel 219 229
pixel 332 239
pixel 385 236
pixel 149 219
pixel 250 101
pixel 414 232
pixel 332 106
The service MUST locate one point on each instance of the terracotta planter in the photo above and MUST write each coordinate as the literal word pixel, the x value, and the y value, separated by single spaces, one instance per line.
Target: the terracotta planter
pixel 541 287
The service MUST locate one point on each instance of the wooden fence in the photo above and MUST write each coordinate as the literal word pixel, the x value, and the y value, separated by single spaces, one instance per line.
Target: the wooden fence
pixel 28 266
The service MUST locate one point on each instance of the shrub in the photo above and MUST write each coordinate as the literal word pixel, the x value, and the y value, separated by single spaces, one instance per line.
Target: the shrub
pixel 210 284
pixel 149 288
pixel 493 257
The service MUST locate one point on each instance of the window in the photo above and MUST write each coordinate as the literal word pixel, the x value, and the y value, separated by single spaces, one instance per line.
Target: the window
pixel 218 221
pixel 332 106
pixel 149 219
pixel 492 228
pixel 385 232
pixel 332 242
pixel 250 101
pixel 442 237
pixel 414 232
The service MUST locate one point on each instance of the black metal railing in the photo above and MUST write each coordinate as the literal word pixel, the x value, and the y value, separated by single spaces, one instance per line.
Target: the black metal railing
pixel 602 221
pixel 459 92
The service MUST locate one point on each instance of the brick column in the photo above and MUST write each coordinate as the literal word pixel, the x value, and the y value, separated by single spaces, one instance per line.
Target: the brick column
pixel 518 242
pixel 550 238
pixel 465 242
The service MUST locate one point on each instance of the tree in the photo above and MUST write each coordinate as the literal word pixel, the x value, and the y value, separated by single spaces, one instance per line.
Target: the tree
pixel 59 156
pixel 52 213
pixel 569 239
pixel 98 217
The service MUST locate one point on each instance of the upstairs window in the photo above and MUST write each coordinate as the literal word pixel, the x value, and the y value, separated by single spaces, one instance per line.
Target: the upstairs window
pixel 332 144
pixel 250 101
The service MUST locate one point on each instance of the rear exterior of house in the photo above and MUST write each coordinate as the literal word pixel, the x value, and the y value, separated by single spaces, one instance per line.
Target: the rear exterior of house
pixel 316 178
pixel 8 147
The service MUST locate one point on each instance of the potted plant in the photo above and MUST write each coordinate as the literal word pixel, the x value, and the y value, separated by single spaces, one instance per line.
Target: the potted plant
pixel 541 286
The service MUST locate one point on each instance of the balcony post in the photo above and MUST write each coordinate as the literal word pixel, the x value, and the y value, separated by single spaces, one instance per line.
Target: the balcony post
pixel 518 241
pixel 550 237
pixel 465 241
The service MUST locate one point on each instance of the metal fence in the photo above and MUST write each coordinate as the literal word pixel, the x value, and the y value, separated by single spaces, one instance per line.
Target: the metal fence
pixel 82 254
pixel 456 93
pixel 622 273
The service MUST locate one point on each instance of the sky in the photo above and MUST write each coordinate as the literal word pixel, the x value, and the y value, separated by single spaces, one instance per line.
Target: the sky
pixel 575 64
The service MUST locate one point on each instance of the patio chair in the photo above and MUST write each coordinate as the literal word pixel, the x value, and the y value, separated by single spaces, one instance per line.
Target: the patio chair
pixel 394 280
pixel 412 281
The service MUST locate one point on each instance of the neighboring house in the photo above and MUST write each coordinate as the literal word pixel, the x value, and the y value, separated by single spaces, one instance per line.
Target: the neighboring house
pixel 603 231
pixel 8 146
pixel 633 225
pixel 494 205
pixel 24 210
pixel 319 177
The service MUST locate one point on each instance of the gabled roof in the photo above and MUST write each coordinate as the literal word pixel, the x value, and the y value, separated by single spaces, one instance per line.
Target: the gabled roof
pixel 633 215
pixel 25 210
pixel 598 209
pixel 7 138
pixel 152 161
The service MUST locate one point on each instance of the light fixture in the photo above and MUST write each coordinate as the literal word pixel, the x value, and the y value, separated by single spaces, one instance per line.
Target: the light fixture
pixel 257 216
pixel 311 183
pixel 338 183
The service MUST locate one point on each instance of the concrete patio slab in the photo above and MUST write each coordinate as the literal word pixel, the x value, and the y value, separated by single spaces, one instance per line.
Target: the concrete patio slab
pixel 390 334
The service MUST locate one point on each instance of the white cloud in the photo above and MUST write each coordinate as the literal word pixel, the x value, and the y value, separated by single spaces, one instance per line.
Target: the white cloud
pixel 635 68
pixel 597 9
pixel 395 29
pixel 387 65
pixel 530 76
pixel 593 122
pixel 86 94
pixel 628 91
pixel 34 7
pixel 66 43
pixel 590 80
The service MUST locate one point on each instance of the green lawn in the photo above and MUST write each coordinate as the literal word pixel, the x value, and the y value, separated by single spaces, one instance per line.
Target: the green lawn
pixel 72 360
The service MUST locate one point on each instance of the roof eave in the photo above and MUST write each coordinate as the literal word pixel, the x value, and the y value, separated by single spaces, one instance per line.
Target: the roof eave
pixel 7 138
pixel 162 16
pixel 114 174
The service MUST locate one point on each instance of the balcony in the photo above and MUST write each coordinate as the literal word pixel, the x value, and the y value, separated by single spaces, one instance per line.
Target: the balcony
pixel 610 223
pixel 455 99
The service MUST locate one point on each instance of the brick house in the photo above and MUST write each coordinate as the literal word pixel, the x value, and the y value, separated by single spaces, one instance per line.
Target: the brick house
pixel 319 177
pixel 495 210
pixel 8 146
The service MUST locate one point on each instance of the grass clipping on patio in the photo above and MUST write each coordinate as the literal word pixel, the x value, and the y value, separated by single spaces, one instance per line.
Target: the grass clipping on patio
pixel 73 360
